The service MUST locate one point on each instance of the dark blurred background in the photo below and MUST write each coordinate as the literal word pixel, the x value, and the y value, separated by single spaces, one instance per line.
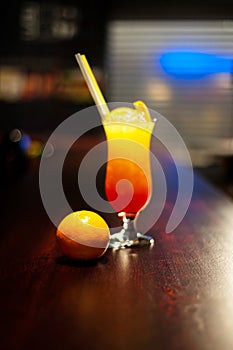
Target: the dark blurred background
pixel 176 57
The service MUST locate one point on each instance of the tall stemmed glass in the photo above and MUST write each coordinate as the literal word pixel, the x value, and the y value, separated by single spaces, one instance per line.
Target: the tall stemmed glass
pixel 128 183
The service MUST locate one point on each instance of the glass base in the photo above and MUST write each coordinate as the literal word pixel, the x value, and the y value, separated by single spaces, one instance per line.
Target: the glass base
pixel 129 237
pixel 118 241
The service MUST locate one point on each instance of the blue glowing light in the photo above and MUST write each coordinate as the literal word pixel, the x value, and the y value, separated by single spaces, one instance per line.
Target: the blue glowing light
pixel 194 64
pixel 25 142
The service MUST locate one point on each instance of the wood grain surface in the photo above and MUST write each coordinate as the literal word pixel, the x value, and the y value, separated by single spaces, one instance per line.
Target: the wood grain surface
pixel 175 295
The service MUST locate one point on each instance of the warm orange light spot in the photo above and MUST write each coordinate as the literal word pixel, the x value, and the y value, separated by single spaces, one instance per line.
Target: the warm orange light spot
pixel 83 235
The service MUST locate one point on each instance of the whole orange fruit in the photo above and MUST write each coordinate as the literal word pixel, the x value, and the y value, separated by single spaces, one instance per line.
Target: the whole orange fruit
pixel 83 235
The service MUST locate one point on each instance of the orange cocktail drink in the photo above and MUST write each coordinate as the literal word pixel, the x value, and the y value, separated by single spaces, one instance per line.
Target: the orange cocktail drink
pixel 128 160
pixel 128 182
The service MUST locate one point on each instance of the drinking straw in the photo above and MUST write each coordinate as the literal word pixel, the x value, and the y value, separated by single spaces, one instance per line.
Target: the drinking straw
pixel 92 85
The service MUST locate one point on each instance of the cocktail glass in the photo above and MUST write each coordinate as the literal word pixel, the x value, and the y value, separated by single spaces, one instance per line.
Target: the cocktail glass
pixel 128 176
pixel 128 182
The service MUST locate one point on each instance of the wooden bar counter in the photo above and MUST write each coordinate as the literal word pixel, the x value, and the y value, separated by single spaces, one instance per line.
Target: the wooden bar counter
pixel 176 295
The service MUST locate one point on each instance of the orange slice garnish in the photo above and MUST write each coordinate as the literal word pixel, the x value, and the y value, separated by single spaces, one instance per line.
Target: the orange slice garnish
pixel 142 108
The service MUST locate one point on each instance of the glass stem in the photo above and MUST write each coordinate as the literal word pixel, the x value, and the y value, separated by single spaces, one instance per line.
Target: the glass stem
pixel 129 232
pixel 128 236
